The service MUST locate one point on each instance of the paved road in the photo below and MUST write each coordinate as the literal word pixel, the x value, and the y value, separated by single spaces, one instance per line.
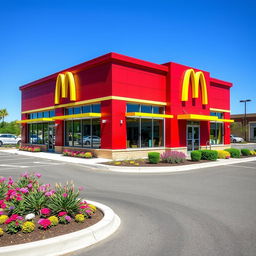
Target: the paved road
pixel 208 212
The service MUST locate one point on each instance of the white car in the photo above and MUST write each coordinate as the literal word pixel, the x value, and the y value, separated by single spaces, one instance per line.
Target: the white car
pixel 87 140
pixel 9 139
pixel 236 139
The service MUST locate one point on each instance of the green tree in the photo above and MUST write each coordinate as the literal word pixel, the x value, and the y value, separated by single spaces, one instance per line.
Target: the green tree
pixel 3 114
pixel 10 127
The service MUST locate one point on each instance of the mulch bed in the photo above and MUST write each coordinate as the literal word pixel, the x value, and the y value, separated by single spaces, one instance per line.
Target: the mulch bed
pixel 145 163
pixel 39 234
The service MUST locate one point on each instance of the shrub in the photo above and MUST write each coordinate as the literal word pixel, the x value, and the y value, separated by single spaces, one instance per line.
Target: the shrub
pixel 154 157
pixel 211 155
pixel 30 148
pixel 196 155
pixel 65 199
pixel 68 152
pixel 3 218
pixel 54 220
pixel 173 157
pixel 234 153
pixel 253 153
pixel 28 227
pixel 79 218
pixel 245 152
pixel 222 154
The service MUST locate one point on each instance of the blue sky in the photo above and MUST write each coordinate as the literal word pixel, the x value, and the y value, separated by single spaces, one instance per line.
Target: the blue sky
pixel 38 38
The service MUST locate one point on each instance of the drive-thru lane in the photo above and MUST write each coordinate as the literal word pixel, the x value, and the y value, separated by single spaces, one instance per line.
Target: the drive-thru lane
pixel 210 211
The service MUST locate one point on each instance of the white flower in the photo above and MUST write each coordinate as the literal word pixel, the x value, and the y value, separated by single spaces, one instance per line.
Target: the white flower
pixel 30 216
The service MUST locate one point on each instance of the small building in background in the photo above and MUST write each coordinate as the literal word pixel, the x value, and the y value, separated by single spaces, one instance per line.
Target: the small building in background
pixel 240 124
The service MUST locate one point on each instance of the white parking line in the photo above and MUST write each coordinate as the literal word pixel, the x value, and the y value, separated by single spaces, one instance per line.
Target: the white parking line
pixel 29 166
pixel 11 165
pixel 242 166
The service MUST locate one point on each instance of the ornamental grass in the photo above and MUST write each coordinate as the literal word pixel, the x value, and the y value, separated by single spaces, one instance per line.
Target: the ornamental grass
pixel 27 204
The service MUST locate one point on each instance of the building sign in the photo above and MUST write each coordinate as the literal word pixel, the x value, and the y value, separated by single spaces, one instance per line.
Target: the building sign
pixel 195 78
pixel 63 83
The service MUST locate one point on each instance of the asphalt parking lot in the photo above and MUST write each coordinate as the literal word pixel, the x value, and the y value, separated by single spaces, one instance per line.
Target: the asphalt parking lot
pixel 210 211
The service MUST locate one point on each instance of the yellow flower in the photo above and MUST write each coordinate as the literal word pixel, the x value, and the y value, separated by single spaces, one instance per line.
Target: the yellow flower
pixel 28 227
pixel 54 220
pixel 1 232
pixel 3 218
pixel 93 207
pixel 79 218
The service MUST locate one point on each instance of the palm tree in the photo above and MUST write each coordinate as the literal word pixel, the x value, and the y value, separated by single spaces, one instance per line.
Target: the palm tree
pixel 3 114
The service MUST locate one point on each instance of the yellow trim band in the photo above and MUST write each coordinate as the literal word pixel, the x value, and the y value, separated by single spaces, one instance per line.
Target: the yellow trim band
pixel 226 120
pixel 219 110
pixel 97 100
pixel 77 116
pixel 36 120
pixel 197 117
pixel 140 114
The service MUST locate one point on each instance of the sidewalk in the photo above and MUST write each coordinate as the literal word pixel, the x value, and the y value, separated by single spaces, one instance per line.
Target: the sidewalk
pixel 96 163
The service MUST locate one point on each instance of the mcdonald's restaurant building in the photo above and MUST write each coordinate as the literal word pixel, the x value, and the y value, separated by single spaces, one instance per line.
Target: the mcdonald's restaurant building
pixel 121 108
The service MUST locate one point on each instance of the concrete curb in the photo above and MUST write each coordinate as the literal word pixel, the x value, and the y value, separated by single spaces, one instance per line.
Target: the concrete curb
pixel 70 242
pixel 169 169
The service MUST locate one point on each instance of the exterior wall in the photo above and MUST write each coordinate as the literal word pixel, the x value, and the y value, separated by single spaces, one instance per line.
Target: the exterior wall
pixel 118 75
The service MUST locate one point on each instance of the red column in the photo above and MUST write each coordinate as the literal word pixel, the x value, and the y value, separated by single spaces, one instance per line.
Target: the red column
pixel 59 128
pixel 227 129
pixel 113 124
pixel 204 132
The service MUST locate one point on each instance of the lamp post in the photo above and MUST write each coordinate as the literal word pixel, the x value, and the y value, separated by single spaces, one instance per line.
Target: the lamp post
pixel 245 101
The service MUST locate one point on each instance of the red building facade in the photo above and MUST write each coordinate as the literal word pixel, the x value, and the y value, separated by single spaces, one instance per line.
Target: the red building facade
pixel 121 107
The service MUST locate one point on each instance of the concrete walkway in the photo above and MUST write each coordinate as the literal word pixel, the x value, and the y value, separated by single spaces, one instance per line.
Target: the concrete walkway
pixel 99 163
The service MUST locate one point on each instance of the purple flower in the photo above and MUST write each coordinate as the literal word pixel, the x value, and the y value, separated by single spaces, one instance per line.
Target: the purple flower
pixel 67 218
pixel 11 208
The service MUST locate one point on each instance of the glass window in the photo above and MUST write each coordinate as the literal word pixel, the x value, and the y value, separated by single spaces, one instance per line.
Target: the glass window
pixel 218 114
pixel 77 135
pixel 39 114
pixel 96 108
pixel 46 114
pixel 158 133
pixel 216 133
pixel 34 134
pixel 39 133
pixel 69 133
pixel 96 140
pixel 132 128
pixel 52 113
pixel 33 115
pixel 133 108
pixel 146 109
pixel 156 110
pixel 77 110
pixel 86 109
pixel 45 128
pixel 86 129
pixel 146 133
pixel 69 111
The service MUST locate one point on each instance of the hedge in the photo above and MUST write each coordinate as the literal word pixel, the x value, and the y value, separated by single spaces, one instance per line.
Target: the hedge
pixel 234 153
pixel 245 152
pixel 154 157
pixel 211 155
pixel 196 155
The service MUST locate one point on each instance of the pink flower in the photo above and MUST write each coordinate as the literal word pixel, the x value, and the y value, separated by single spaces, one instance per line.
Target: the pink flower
pixel 10 182
pixel 38 175
pixel 88 211
pixel 81 188
pixel 68 218
pixel 64 194
pixel 25 175
pixel 30 185
pixel 2 179
pixel 62 214
pixel 45 211
pixel 24 190
pixel 13 217
pixel 45 223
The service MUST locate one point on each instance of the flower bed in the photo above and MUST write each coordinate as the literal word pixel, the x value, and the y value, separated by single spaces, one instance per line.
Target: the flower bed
pixel 30 148
pixel 81 154
pixel 30 210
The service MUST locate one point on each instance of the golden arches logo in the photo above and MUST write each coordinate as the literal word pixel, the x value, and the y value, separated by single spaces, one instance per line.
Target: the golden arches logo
pixel 63 83
pixel 195 78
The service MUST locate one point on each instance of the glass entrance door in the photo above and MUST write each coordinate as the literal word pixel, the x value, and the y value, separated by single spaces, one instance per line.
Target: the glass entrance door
pixel 51 137
pixel 193 137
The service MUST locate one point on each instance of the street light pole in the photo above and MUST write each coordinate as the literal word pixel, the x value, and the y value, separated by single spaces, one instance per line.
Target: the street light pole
pixel 245 120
